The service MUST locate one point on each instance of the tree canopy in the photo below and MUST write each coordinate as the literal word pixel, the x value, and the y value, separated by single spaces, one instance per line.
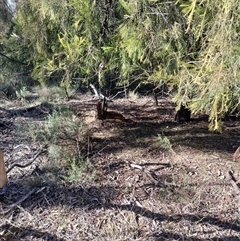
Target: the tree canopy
pixel 192 46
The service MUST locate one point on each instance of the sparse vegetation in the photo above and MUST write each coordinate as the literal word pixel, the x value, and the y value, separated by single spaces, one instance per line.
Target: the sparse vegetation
pixel 59 125
pixel 164 143
pixel 78 166
pixel 118 182
pixel 121 169
pixel 61 130
pixel 133 95
pixel 52 94
pixel 22 93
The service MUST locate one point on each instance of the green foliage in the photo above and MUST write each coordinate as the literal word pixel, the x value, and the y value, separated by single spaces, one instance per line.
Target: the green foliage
pixel 211 81
pixel 164 143
pixel 192 46
pixel 62 128
pixel 55 152
pixel 61 124
pixel 78 165
pixel 22 93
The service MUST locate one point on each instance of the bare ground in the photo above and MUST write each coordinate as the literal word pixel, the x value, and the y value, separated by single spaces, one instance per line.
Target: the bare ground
pixel 134 189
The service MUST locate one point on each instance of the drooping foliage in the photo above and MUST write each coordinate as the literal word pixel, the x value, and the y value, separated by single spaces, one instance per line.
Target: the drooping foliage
pixel 211 80
pixel 190 45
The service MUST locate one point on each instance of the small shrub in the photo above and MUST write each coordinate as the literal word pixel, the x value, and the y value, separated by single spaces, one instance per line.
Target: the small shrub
pixel 53 93
pixel 22 93
pixel 50 93
pixel 63 133
pixel 61 124
pixel 133 95
pixel 164 142
pixel 78 165
pixel 55 152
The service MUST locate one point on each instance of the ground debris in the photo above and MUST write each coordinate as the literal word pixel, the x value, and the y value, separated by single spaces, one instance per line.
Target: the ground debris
pixel 139 191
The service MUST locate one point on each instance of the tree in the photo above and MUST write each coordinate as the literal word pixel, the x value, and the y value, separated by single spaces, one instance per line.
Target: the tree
pixel 5 17
pixel 9 61
pixel 210 83
pixel 190 45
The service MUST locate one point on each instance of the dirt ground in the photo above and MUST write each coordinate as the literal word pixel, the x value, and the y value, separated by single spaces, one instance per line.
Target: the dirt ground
pixel 136 188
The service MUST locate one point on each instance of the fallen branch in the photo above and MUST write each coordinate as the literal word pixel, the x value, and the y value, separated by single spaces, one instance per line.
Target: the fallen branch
pixel 28 164
pixel 20 201
pixel 147 172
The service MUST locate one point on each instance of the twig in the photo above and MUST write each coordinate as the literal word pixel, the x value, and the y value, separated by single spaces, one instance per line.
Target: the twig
pixel 23 146
pixel 18 202
pixel 28 164
pixel 147 172
pixel 118 93
pixel 136 166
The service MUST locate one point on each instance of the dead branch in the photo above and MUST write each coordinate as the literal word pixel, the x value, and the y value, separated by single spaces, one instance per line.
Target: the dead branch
pixel 118 93
pixel 96 95
pixel 147 172
pixel 99 96
pixel 29 163
pixel 19 201
pixel 136 166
